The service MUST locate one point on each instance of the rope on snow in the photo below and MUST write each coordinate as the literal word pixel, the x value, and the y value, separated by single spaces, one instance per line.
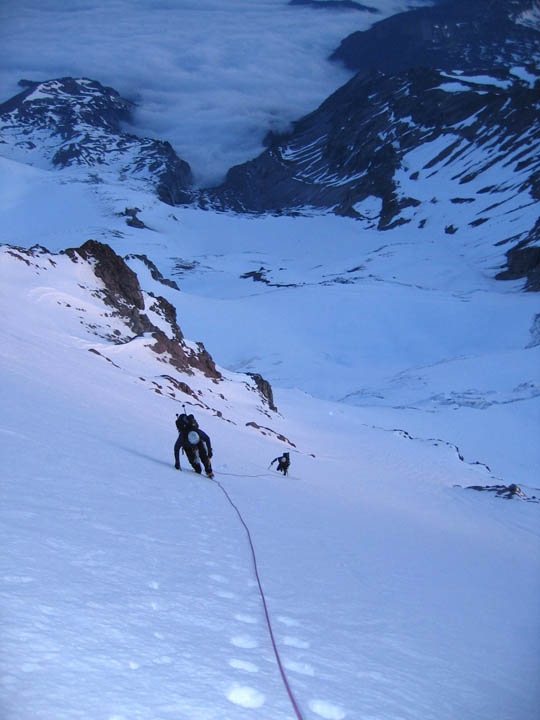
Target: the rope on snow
pixel 245 476
pixel 263 598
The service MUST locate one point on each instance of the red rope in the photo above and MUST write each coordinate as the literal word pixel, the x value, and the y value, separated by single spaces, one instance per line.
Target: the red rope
pixel 269 624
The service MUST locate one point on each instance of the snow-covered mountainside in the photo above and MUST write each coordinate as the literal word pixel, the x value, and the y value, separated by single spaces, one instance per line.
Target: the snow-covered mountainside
pixel 452 34
pixel 386 148
pixel 383 149
pixel 77 123
pixel 355 296
pixel 129 589
pixel 94 288
pixel 415 322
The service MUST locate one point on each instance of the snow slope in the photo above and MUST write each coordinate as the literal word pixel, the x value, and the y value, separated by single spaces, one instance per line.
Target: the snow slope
pixel 129 589
pixel 391 321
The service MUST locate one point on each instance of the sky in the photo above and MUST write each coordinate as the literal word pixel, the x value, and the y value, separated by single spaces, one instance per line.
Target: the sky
pixel 211 77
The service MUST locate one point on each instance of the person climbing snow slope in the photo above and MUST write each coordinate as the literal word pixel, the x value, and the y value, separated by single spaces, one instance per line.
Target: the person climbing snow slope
pixel 195 443
pixel 283 463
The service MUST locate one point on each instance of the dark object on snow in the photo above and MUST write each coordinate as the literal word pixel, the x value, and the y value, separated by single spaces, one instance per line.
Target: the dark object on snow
pixel 505 491
pixel 283 463
pixel 194 442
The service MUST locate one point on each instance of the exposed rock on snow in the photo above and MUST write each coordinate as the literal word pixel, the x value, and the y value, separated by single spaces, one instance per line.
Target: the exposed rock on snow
pixel 268 431
pixel 123 292
pixel 524 260
pixel 131 218
pixel 121 282
pixel 182 360
pixel 535 332
pixel 154 272
pixel 265 390
pixel 504 491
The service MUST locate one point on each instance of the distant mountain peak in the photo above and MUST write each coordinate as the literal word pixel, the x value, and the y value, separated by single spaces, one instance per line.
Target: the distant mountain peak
pixel 64 102
pixel 77 123
pixel 453 34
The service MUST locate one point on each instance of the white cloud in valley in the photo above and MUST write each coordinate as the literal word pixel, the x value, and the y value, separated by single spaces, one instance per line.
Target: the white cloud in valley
pixel 210 76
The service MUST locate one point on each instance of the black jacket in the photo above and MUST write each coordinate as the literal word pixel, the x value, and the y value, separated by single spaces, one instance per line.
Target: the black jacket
pixel 185 443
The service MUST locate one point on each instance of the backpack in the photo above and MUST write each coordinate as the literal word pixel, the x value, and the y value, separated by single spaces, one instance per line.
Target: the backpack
pixel 182 422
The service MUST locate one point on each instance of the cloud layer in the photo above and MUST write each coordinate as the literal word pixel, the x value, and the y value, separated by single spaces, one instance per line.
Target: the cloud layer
pixel 210 76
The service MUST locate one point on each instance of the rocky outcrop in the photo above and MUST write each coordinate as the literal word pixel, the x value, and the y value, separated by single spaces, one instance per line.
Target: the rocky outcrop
pixel 132 219
pixel 477 36
pixel 265 390
pixel 504 491
pixel 154 272
pixel 523 260
pixel 335 5
pixel 77 122
pixel 122 287
pixel 121 291
pixel 182 357
pixel 268 431
pixel 534 332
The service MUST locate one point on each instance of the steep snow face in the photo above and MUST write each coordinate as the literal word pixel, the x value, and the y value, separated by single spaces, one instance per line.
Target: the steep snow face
pixel 413 329
pixel 84 294
pixel 128 588
pixel 404 376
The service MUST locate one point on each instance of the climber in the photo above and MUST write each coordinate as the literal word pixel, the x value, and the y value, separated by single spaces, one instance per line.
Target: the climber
pixel 195 443
pixel 283 463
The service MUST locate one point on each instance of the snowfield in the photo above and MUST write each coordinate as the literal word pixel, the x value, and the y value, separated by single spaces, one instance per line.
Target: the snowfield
pixel 402 373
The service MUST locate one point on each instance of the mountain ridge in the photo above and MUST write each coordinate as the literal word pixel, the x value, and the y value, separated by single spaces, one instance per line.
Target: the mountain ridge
pixel 449 35
pixel 373 150
pixel 77 123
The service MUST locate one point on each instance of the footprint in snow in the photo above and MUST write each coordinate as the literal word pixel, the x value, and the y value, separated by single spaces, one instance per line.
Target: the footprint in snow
pixel 301 668
pixel 289 622
pixel 249 619
pixel 327 710
pixel 17 579
pixel 225 594
pixel 244 641
pixel 243 665
pixel 295 642
pixel 163 660
pixel 218 578
pixel 246 697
